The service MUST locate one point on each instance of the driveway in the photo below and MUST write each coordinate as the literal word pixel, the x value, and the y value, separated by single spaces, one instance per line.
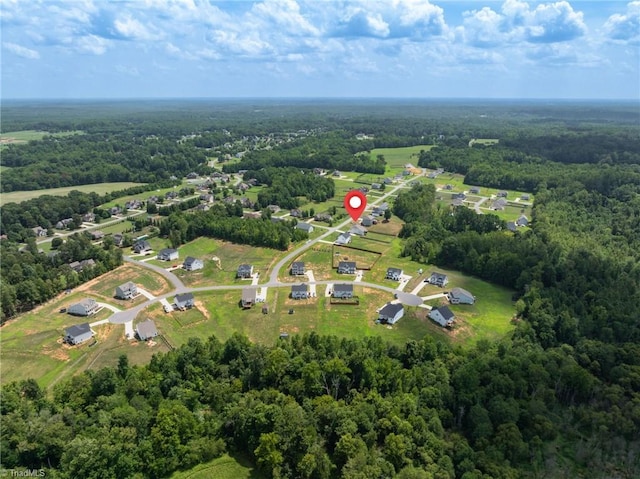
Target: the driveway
pixel 312 283
pixel 404 279
pixel 146 293
pixel 108 306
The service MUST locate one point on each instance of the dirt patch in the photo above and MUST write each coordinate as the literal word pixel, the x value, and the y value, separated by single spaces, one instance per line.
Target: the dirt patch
pixel 199 305
pixel 59 354
pixel 103 331
pixel 151 343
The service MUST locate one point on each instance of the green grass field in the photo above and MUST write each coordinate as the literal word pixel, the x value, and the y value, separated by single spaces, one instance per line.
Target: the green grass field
pixel 224 467
pixel 23 136
pixel 396 158
pixel 100 188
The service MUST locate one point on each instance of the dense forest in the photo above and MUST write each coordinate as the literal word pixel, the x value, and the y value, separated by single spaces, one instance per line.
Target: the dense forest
pixel 559 397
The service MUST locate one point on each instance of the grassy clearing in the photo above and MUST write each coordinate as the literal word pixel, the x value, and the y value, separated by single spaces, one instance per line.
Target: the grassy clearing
pixel 396 158
pixel 100 188
pixel 484 141
pixel 23 136
pixel 224 467
pixel 144 195
pixel 32 345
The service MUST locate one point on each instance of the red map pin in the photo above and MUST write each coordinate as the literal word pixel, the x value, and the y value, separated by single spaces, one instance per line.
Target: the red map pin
pixel 355 202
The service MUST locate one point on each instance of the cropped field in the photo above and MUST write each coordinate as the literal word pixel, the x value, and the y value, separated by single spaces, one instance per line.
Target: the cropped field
pixel 100 188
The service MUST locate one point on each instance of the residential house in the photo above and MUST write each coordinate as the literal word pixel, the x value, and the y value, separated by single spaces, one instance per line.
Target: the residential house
pixel 391 313
pixel 133 205
pixel 511 226
pixel 254 215
pixel 307 227
pixel 168 254
pixel 448 187
pixel 522 221
pixel 78 333
pixel 62 224
pixel 249 297
pixel 499 204
pixel 336 173
pixel 184 301
pixel 244 271
pixel 39 231
pixel 376 186
pixel 442 315
pixel 358 230
pixel 460 196
pixel 115 210
pixel 368 221
pixel 457 202
pixel 96 235
pixel 394 274
pixel 78 266
pixel 192 264
pixel 246 203
pixel 343 291
pixel 296 213
pixel 299 291
pixel 118 240
pixel 432 175
pixel 461 296
pixel 439 279
pixel 379 210
pixel 85 307
pixel 327 218
pixel 397 177
pixel 474 190
pixel 502 194
pixel 273 208
pixel 406 172
pixel 207 197
pixel 363 189
pixel 297 268
pixel 89 217
pixel 387 181
pixel 347 267
pixel 525 197
pixel 344 238
pixel 127 290
pixel 243 187
pixel 146 330
pixel 203 207
pixel 170 195
pixel 192 176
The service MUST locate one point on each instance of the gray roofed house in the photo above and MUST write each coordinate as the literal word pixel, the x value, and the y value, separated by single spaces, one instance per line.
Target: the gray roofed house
pixel 511 226
pixel 305 227
pixel 39 231
pixel 78 333
pixel 146 330
pixel 391 312
pixel 394 274
pixel 244 271
pixel 499 204
pixel 168 254
pixel 184 301
pixel 368 220
pixel 343 238
pixel 273 208
pixel 502 194
pixel 126 291
pixel 522 221
pixel 96 235
pixel 84 307
pixel 376 186
pixel 78 266
pixel 142 246
pixel 358 230
pixel 297 268
pixel 192 264
pixel 118 239
pixel 442 315
pixel 248 297
pixel 439 279
pixel 460 196
pixel 299 291
pixel 379 210
pixel 343 291
pixel 347 267
pixel 525 197
pixel 461 296
pixel 474 190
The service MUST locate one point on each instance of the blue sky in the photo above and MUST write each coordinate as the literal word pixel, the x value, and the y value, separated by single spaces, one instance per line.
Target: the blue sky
pixel 320 48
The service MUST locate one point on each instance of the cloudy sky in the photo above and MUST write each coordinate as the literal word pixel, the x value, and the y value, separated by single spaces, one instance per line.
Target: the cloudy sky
pixel 320 48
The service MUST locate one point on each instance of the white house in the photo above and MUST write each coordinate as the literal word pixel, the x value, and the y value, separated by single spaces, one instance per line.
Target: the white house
pixel 394 274
pixel 299 291
pixel 168 254
pixel 305 227
pixel 126 291
pixel 391 313
pixel 439 279
pixel 192 264
pixel 347 267
pixel 461 296
pixel 85 307
pixel 78 333
pixel 344 238
pixel 146 330
pixel 442 315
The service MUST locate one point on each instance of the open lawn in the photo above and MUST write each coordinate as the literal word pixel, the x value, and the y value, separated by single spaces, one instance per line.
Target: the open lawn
pixel 144 195
pixel 32 345
pixel 484 141
pixel 100 188
pixel 23 136
pixel 396 158
pixel 221 261
pixel 224 467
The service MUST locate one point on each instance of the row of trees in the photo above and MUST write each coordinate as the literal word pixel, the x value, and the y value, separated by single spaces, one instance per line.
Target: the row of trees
pixel 286 185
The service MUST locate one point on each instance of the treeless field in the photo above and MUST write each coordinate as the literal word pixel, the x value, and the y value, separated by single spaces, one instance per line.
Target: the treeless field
pixel 100 188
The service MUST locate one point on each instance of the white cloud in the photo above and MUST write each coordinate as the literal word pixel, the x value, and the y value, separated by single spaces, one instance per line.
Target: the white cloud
pixel 90 44
pixel 21 51
pixel 625 27
pixel 132 29
pixel 285 15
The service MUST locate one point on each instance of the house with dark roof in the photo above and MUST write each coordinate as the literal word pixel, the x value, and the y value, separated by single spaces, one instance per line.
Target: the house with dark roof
pixel 499 204
pixel 244 271
pixel 184 301
pixel 347 267
pixel 448 187
pixel 142 246
pixel 522 221
pixel 305 227
pixel 343 238
pixel 442 315
pixel 248 298
pixel 89 217
pixel 297 268
pixel 394 274
pixel 78 333
pixel 327 218
pixel 439 279
pixel 168 254
pixel 299 291
pixel 146 330
pixel 118 239
pixel 525 197
pixel 458 196
pixel 511 226
pixel 296 213
pixel 126 291
pixel 192 264
pixel 78 266
pixel 368 221
pixel 64 223
pixel 461 296
pixel 391 313
pixel 379 210
pixel 474 190
pixel 376 186
pixel 358 230
pixel 502 194
pixel 84 307
pixel 343 291
pixel 96 235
